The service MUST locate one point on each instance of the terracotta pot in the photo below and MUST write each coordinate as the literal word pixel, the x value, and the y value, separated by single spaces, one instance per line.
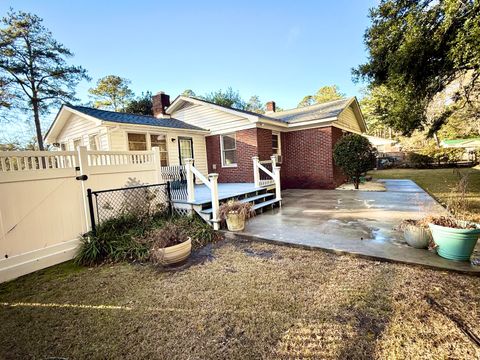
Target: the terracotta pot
pixel 417 237
pixel 235 222
pixel 176 253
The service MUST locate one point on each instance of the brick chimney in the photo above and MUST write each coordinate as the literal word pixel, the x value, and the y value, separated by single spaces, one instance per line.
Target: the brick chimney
pixel 161 102
pixel 270 107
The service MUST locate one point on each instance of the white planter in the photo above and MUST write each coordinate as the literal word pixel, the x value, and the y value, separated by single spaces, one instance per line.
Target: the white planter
pixel 417 237
pixel 176 253
pixel 235 222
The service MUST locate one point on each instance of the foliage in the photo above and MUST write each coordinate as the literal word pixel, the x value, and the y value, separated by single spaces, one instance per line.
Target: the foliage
pixel 255 105
pixel 158 239
pixel 419 161
pixel 458 203
pixel 228 98
pixel 417 48
pixel 443 155
pixel 112 92
pixel 114 241
pixel 189 92
pixel 355 155
pixel 200 232
pixel 323 95
pixel 142 105
pixel 376 98
pixel 245 210
pixel 34 73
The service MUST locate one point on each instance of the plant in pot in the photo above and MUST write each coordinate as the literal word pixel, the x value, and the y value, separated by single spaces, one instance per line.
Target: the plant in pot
pixel 454 235
pixel 236 213
pixel 417 233
pixel 169 244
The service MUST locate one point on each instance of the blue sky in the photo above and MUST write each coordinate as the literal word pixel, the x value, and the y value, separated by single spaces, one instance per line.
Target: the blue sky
pixel 278 50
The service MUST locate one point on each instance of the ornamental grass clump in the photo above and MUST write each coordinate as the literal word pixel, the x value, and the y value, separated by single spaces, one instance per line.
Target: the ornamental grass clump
pixel 243 209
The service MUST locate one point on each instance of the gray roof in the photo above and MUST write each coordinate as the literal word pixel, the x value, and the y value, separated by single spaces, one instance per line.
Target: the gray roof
pixel 313 112
pixel 126 118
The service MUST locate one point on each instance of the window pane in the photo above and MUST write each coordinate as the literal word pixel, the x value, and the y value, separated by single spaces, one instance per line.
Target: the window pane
pixel 77 143
pixel 229 157
pixel 163 159
pixel 137 142
pixel 160 141
pixel 228 142
pixel 92 140
pixel 275 141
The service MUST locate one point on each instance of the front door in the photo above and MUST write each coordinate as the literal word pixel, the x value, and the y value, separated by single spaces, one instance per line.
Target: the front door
pixel 185 149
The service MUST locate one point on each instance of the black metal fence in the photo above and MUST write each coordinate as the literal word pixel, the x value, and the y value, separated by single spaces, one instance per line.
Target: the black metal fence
pixel 176 176
pixel 143 201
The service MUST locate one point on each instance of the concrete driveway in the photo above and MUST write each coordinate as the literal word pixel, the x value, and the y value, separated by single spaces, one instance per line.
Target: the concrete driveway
pixel 357 222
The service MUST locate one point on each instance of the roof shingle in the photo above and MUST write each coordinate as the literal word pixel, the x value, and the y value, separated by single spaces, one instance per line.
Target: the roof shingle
pixel 126 118
pixel 314 112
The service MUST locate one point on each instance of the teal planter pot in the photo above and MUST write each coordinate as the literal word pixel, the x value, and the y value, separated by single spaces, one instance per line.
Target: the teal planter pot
pixel 454 244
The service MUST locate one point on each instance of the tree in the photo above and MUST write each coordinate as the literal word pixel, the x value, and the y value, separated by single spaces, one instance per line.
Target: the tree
pixel 255 105
pixel 189 92
pixel 416 49
pixel 323 95
pixel 142 105
pixel 112 92
pixel 376 98
pixel 354 154
pixel 33 67
pixel 228 98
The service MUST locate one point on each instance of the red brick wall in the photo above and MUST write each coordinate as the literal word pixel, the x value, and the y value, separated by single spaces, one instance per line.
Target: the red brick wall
pixel 308 159
pixel 250 143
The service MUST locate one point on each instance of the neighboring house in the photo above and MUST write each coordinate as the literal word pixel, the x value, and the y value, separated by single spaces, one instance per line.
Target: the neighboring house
pixel 221 139
pixel 467 144
pixel 384 145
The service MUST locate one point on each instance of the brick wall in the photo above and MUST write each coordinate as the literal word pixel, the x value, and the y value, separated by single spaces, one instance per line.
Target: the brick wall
pixel 308 159
pixel 250 143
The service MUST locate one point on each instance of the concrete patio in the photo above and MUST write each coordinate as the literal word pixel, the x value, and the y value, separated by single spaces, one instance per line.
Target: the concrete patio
pixel 355 222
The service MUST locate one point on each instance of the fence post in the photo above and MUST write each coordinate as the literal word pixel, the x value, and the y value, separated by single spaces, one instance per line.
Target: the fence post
pixel 84 170
pixel 256 171
pixel 92 211
pixel 215 203
pixel 190 181
pixel 278 189
pixel 157 165
pixel 274 161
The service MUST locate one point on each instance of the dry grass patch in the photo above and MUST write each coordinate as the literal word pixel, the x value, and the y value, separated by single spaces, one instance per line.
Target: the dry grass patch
pixel 246 301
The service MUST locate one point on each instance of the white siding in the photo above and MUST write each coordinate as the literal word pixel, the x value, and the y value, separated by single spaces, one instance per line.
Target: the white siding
pixel 348 120
pixel 118 142
pixel 210 119
pixel 77 127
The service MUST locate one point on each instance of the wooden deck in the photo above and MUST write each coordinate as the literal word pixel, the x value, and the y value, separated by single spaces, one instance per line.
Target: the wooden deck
pixel 225 191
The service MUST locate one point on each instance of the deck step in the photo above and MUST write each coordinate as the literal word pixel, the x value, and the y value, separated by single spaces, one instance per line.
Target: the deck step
pixel 265 203
pixel 250 199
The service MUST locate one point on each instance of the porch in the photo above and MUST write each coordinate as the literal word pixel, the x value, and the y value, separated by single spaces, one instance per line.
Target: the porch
pixel 225 191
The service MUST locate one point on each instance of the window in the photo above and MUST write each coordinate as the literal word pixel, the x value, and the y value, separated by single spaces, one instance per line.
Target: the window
pixel 93 142
pixel 228 145
pixel 161 142
pixel 77 143
pixel 276 144
pixel 137 142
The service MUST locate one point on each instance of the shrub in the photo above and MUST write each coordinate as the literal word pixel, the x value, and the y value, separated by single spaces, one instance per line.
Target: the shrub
pixel 114 241
pixel 169 235
pixel 200 232
pixel 355 155
pixel 419 161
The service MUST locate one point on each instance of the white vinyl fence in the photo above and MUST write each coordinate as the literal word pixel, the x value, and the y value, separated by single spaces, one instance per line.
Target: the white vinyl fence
pixel 43 206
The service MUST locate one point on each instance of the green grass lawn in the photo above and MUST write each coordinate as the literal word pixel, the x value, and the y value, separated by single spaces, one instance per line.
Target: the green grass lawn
pixel 240 300
pixel 438 183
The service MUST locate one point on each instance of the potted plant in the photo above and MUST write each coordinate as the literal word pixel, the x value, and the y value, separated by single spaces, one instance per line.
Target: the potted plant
pixel 236 213
pixel 169 244
pixel 417 234
pixel 455 239
pixel 454 235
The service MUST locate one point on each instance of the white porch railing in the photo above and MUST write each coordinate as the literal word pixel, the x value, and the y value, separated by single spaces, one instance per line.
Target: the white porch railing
pixel 274 175
pixel 211 183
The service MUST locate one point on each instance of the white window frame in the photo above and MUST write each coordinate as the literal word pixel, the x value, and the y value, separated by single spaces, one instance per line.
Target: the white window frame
pixel 97 141
pixel 147 139
pixel 150 134
pixel 234 135
pixel 77 139
pixel 279 149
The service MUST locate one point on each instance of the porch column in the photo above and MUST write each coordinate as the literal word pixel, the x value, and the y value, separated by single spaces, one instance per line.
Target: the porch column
pixel 157 164
pixel 278 189
pixel 274 161
pixel 213 178
pixel 190 181
pixel 256 171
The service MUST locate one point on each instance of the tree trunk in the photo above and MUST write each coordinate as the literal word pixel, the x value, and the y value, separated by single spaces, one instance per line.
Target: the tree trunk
pixel 356 182
pixel 38 129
